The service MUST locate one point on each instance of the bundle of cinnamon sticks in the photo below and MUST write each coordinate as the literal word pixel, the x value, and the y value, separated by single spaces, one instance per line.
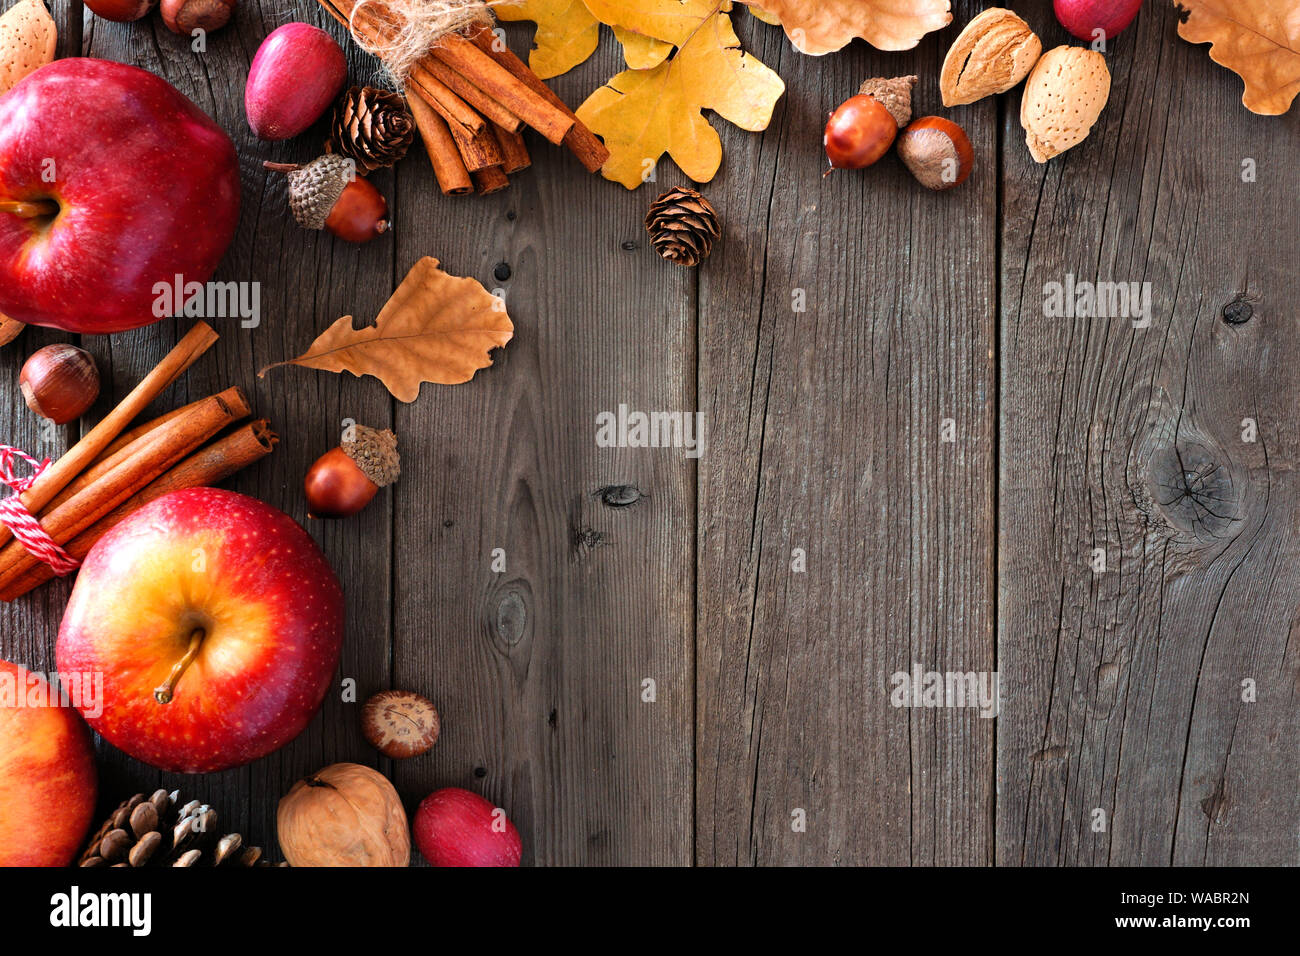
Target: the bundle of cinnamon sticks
pixel 471 98
pixel 113 471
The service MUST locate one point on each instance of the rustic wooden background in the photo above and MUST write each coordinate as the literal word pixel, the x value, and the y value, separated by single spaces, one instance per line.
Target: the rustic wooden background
pixel 1121 691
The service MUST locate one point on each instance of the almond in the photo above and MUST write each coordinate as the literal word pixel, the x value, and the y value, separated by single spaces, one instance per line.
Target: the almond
pixel 1064 96
pixel 994 53
pixel 28 38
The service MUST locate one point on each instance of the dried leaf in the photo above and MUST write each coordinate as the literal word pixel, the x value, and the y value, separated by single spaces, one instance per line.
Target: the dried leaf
pixel 28 38
pixel 817 27
pixel 641 114
pixel 642 52
pixel 567 33
pixel 435 328
pixel 1259 40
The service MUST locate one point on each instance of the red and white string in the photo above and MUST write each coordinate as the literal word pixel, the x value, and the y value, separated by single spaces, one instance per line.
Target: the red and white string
pixel 15 516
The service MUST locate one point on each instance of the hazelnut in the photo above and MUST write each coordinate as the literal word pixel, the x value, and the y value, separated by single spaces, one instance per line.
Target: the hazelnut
pixel 59 382
pixel 937 151
pixel 399 723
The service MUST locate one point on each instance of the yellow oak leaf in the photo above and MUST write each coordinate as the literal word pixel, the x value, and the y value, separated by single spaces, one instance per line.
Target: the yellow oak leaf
pixel 567 33
pixel 1259 40
pixel 672 21
pixel 640 51
pixel 642 114
pixel 818 27
pixel 435 328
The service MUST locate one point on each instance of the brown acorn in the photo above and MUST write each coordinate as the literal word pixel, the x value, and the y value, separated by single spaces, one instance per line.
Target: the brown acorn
pixel 328 194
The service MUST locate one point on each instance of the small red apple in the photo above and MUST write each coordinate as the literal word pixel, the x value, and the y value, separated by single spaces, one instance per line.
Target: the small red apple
pixel 111 182
pixel 47 773
pixel 455 827
pixel 296 75
pixel 1084 18
pixel 216 622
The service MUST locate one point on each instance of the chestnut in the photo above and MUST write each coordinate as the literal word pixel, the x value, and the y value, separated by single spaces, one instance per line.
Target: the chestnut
pixel 345 479
pixel 186 16
pixel 59 382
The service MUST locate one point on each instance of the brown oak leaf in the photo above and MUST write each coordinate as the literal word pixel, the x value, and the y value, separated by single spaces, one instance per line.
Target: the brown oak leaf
pixel 435 328
pixel 1259 40
pixel 818 27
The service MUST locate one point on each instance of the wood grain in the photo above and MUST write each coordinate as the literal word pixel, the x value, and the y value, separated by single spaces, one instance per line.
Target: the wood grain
pixel 1125 739
pixel 538 668
pixel 825 436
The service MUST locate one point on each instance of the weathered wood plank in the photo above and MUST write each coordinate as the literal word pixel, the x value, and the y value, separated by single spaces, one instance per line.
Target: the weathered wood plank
pixel 305 281
pixel 825 436
pixel 1124 737
pixel 538 669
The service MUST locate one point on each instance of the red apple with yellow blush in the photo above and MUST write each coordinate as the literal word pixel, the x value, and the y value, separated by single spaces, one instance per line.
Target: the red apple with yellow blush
pixel 47 773
pixel 216 622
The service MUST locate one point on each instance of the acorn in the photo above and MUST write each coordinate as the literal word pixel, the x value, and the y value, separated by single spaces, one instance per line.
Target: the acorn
pixel 346 478
pixel 328 194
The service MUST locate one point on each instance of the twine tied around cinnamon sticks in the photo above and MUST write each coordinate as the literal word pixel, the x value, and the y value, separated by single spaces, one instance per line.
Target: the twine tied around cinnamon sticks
pixel 21 522
pixel 469 95
pixel 112 471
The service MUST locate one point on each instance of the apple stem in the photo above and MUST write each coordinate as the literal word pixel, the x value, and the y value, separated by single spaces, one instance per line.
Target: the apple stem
pixel 29 210
pixel 163 692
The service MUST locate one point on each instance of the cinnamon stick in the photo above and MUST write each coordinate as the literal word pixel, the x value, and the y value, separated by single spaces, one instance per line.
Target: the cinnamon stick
pixel 512 92
pixel 448 166
pixel 53 480
pixel 207 466
pixel 234 398
pixel 436 93
pixel 428 87
pixel 580 140
pixel 513 148
pixel 478 152
pixel 467 91
pixel 492 179
pixel 150 457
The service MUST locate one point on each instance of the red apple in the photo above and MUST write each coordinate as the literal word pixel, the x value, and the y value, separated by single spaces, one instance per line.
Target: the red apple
pixel 455 827
pixel 47 773
pixel 1083 18
pixel 111 182
pixel 216 622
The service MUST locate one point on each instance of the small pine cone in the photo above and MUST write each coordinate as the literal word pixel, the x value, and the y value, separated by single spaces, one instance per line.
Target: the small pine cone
pixel 683 226
pixel 372 126
pixel 895 95
pixel 156 831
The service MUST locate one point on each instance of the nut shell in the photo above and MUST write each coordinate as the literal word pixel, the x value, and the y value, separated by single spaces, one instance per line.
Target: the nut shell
pixel 1064 96
pixel 992 54
pixel 400 724
pixel 343 815
pixel 937 152
pixel 59 382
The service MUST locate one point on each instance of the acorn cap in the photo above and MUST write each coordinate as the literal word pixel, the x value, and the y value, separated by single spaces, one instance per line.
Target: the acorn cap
pixel 375 453
pixel 316 187
pixel 894 93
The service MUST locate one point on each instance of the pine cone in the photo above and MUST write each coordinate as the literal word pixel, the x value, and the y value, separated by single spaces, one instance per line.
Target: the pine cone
pixel 683 226
pixel 372 126
pixel 158 832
